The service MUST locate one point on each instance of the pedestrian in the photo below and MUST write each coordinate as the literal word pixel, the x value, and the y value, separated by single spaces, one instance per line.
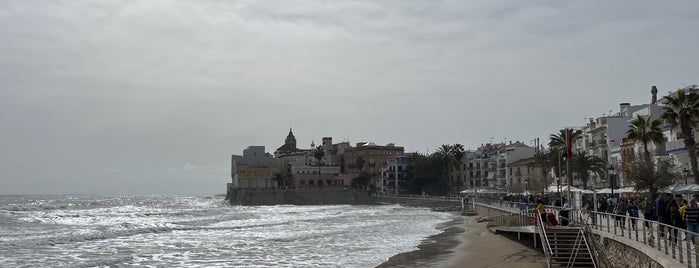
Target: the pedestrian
pixel 620 211
pixel 542 210
pixel 661 211
pixel 673 218
pixel 633 213
pixel 648 211
pixel 691 216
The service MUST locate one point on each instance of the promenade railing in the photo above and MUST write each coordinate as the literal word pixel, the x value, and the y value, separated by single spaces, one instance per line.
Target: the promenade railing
pixel 673 241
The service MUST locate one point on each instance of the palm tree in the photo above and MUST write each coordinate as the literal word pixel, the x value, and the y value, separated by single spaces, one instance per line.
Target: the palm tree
pixel 680 112
pixel 445 153
pixel 318 153
pixel 645 130
pixel 457 154
pixel 359 162
pixel 558 140
pixel 544 162
pixel 584 164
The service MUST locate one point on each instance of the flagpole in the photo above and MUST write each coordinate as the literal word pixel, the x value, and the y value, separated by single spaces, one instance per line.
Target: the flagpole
pixel 569 148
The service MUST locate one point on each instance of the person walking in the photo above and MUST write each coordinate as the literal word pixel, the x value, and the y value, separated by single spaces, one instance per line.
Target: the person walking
pixel 661 211
pixel 691 216
pixel 633 213
pixel 542 210
pixel 648 211
pixel 673 218
pixel 620 211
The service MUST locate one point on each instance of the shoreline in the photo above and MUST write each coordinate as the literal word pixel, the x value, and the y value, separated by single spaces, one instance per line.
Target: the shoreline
pixel 464 242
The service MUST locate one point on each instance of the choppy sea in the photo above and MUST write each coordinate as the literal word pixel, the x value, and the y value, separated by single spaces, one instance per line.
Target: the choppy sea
pixel 190 231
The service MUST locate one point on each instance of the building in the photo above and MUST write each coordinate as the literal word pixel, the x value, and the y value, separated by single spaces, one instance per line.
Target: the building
pixel 254 169
pixel 394 176
pixel 602 137
pixel 370 158
pixel 487 167
pixel 521 176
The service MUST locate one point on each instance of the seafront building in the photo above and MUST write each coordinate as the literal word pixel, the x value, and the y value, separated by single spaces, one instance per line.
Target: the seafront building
pixel 486 167
pixel 291 166
pixel 254 169
pixel 394 176
pixel 496 167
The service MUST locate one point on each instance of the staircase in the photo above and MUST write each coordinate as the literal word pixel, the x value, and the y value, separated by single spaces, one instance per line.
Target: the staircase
pixel 568 248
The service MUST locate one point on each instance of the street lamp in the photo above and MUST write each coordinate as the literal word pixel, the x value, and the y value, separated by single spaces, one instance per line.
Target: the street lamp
pixel 611 179
pixel 686 175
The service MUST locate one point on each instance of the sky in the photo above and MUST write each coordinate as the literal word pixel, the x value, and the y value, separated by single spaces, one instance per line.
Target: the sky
pixel 153 97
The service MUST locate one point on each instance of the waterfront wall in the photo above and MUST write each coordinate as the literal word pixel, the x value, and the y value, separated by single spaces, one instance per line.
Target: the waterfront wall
pixel 269 197
pixel 623 255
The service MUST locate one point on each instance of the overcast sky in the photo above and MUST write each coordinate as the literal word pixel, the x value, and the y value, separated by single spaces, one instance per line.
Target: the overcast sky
pixel 141 97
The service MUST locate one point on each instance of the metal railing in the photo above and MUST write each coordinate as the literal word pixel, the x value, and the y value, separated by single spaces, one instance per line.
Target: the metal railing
pixel 674 242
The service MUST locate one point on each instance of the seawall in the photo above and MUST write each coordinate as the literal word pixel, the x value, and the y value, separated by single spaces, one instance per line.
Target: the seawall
pixel 269 197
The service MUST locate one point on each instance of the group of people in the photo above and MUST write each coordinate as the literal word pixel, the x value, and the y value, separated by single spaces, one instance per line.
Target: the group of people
pixel 664 209
pixel 683 215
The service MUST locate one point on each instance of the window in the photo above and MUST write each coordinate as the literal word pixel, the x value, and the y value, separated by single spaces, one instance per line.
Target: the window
pixel 302 182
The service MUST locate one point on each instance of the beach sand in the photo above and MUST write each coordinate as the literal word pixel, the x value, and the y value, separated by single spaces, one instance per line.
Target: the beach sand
pixel 468 243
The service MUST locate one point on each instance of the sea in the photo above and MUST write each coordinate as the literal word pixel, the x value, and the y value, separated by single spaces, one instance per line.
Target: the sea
pixel 203 231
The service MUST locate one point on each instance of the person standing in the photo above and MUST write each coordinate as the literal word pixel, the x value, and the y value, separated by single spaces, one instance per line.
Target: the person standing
pixel 691 216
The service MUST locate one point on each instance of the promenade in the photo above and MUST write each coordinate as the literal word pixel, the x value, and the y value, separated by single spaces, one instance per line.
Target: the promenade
pixel 664 244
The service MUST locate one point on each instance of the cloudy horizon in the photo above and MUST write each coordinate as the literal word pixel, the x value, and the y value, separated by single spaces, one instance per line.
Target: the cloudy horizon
pixel 152 97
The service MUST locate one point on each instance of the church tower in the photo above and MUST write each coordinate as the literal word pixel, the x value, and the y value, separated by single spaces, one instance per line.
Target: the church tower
pixel 290 140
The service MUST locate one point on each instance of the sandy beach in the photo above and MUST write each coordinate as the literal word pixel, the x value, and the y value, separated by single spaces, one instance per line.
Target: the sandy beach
pixel 468 243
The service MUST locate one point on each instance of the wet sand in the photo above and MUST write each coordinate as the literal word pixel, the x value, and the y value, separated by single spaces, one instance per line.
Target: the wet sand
pixel 468 243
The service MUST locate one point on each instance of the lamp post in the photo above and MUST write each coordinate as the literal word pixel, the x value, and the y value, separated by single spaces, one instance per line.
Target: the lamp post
pixel 686 175
pixel 611 179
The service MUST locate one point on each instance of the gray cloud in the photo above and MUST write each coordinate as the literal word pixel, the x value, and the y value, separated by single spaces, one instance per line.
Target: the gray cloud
pixel 153 97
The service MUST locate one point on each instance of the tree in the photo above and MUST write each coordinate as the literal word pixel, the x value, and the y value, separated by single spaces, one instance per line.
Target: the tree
pixel 360 181
pixel 652 177
pixel 446 154
pixel 319 153
pixel 585 164
pixel 680 112
pixel 424 174
pixel 558 140
pixel 457 154
pixel 544 162
pixel 645 130
pixel 279 178
pixel 359 163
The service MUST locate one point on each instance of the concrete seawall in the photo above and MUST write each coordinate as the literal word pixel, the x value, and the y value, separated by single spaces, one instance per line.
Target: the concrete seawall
pixel 269 197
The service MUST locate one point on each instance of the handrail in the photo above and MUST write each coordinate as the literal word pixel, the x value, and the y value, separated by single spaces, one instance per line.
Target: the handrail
pixel 545 245
pixel 654 234
pixel 593 245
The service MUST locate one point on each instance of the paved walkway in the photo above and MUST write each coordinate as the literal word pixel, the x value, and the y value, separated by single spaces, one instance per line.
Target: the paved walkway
pixel 638 236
